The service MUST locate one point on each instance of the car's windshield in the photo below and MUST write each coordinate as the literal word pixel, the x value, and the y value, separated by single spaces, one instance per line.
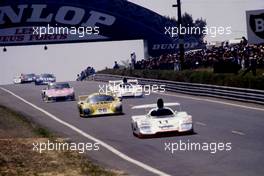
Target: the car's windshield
pixel 159 113
pixel 59 86
pixel 30 75
pixel 100 98
pixel 47 76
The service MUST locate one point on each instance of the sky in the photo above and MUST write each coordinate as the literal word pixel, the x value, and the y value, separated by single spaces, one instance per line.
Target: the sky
pixel 67 60
pixel 216 12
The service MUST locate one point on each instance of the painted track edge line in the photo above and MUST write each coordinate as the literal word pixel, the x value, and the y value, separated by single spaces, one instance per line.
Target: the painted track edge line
pixel 105 145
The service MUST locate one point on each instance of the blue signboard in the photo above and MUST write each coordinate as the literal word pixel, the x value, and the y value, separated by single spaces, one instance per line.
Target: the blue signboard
pixel 27 22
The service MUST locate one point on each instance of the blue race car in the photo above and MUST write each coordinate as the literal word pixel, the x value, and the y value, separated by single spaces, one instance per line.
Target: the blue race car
pixel 45 79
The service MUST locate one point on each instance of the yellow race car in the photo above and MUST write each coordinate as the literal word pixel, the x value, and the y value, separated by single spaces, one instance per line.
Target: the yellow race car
pixel 99 104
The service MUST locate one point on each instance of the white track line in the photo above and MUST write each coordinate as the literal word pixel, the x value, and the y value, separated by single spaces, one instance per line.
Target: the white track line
pixel 200 123
pixel 213 101
pixel 105 145
pixel 238 132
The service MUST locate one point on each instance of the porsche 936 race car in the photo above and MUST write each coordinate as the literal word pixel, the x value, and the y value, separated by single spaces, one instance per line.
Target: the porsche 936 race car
pixel 126 88
pixel 99 104
pixel 58 92
pixel 161 119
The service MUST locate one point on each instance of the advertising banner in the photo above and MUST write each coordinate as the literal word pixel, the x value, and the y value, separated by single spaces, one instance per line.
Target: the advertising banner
pixel 50 22
pixel 255 26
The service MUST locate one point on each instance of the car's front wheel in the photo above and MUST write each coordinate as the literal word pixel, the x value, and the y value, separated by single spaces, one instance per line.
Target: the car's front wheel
pixel 81 112
pixel 44 97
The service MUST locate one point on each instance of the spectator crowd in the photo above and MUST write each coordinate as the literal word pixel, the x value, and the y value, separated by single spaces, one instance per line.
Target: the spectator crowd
pixel 228 58
pixel 89 71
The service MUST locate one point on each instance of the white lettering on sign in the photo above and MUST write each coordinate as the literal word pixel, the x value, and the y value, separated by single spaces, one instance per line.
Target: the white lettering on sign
pixel 77 15
pixel 174 46
pixel 37 13
pixel 100 18
pixel 259 25
pixel 11 14
pixel 76 18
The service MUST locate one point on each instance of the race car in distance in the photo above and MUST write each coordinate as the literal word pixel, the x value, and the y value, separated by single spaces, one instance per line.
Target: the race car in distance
pixel 161 119
pixel 17 80
pixel 24 78
pixel 58 92
pixel 126 88
pixel 45 79
pixel 99 104
pixel 28 78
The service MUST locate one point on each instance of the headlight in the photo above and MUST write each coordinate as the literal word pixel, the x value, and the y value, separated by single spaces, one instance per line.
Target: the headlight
pixel 145 128
pixel 144 125
pixel 188 119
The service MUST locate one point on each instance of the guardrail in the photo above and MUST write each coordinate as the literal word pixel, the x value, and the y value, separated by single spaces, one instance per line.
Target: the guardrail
pixel 231 93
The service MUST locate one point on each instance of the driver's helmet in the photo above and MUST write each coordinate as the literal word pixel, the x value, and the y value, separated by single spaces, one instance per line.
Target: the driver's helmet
pixel 160 103
pixel 125 80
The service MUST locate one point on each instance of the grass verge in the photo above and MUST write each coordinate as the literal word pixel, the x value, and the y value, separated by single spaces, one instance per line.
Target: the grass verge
pixel 17 156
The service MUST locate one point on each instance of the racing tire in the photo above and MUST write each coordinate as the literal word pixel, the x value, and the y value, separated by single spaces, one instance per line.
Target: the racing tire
pixel 73 98
pixel 45 98
pixel 81 113
pixel 140 136
pixel 191 131
pixel 132 127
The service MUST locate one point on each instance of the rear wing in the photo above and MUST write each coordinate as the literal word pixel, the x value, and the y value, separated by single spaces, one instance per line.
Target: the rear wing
pixel 83 97
pixel 145 106
pixel 115 82
pixel 132 81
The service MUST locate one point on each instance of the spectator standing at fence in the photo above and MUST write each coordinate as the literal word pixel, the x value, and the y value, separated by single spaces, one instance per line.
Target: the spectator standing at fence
pixel 176 65
pixel 116 66
pixel 82 75
pixel 252 65
pixel 133 60
pixel 244 41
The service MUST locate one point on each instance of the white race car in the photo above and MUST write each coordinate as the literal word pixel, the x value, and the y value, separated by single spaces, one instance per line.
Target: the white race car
pixel 17 80
pixel 126 88
pixel 161 120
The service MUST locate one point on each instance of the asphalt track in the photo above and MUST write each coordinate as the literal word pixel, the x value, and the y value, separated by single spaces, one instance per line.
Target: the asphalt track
pixel 215 120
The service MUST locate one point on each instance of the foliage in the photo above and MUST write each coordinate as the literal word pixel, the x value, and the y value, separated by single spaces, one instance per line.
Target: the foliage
pixel 196 76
